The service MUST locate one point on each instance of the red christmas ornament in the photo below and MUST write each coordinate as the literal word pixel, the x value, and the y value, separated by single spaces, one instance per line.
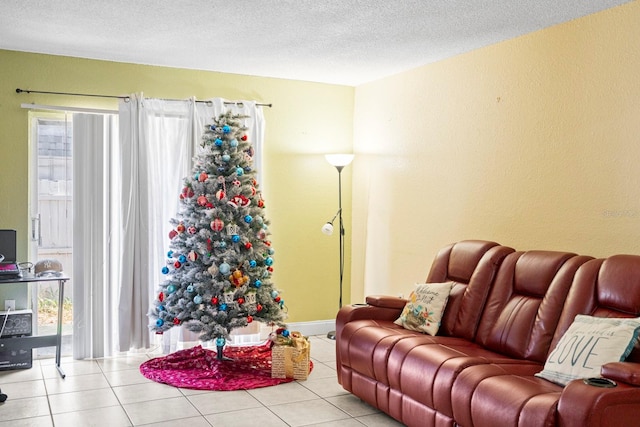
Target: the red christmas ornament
pixel 209 205
pixel 270 269
pixel 239 200
pixel 180 228
pixel 220 194
pixel 259 307
pixel 202 200
pixel 244 137
pixel 161 296
pixel 248 245
pixel 176 321
pixel 193 255
pixel 240 300
pixel 254 182
pixel 203 177
pixel 277 299
pixel 267 243
pixel 249 319
pixel 214 300
pixel 177 264
pixel 217 225
pixel 253 191
pixel 192 230
pixel 172 234
pixel 261 203
pixel 186 192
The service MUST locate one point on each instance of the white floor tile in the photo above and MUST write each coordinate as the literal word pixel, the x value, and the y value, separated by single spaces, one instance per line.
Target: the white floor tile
pixel 72 368
pixel 82 400
pixel 247 418
pixel 57 385
pixel 352 405
pixel 44 421
pixel 379 420
pixel 308 412
pixel 324 387
pixel 190 422
pixel 125 377
pixel 112 416
pixel 282 393
pixel 145 392
pixel 156 411
pixel 24 389
pixel 15 409
pixel 223 401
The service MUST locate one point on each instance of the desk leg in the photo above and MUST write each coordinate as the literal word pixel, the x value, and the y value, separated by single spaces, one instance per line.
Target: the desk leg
pixel 59 334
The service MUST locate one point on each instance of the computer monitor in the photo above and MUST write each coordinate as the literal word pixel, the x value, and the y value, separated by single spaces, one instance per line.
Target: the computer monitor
pixel 8 245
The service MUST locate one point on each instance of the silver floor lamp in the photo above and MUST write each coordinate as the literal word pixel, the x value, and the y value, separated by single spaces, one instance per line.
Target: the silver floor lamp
pixel 339 161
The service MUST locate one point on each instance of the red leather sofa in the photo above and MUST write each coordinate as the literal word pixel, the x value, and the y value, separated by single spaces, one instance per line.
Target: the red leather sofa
pixel 506 312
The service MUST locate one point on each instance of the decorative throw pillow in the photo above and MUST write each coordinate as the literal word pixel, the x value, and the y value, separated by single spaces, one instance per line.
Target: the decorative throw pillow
pixel 589 343
pixel 423 311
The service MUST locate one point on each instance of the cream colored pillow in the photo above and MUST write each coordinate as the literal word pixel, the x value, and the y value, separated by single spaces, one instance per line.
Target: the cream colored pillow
pixel 423 312
pixel 589 343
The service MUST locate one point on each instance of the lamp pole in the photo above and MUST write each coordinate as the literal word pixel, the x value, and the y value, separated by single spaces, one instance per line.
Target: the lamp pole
pixel 339 161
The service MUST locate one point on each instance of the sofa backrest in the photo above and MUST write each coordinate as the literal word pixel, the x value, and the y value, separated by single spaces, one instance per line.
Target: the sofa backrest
pixel 603 288
pixel 525 303
pixel 472 264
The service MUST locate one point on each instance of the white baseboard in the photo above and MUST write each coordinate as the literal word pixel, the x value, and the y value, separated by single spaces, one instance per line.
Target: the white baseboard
pixel 315 327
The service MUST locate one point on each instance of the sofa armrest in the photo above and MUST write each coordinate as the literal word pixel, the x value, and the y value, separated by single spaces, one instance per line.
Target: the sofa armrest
pixel 378 307
pixel 625 372
pixel 584 405
pixel 386 301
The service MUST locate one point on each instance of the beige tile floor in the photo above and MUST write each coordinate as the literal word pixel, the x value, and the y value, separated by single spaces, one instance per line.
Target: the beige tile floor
pixel 112 392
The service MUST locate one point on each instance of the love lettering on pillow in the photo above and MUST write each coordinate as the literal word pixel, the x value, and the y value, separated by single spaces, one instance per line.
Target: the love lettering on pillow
pixel 423 312
pixel 589 343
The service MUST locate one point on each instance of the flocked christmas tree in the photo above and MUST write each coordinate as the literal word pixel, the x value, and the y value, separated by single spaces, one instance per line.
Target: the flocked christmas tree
pixel 218 272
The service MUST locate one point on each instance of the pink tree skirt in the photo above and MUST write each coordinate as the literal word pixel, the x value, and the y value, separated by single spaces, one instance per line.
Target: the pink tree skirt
pixel 199 368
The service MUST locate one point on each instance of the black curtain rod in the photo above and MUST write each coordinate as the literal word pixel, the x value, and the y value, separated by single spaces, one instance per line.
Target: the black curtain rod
pixel 18 90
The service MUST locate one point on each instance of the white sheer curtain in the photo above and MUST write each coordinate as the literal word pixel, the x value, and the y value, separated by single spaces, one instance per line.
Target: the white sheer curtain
pixel 94 139
pixel 125 204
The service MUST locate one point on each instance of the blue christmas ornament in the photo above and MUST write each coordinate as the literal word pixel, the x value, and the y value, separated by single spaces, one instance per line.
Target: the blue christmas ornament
pixel 221 169
pixel 268 262
pixel 220 341
pixel 223 307
pixel 169 254
pixel 281 303
pixel 258 283
pixel 235 238
pixel 182 259
pixel 224 268
pixel 196 176
pixel 274 294
pixel 190 288
pixel 197 299
pixel 161 308
pixel 247 169
pixel 233 142
pixel 239 171
pixel 223 244
pixel 226 129
pixel 253 263
pixel 212 127
pixel 171 288
pixel 271 251
pixel 226 157
pixel 159 322
pixel 218 142
pixel 285 333
pixel 165 270
pixel 248 219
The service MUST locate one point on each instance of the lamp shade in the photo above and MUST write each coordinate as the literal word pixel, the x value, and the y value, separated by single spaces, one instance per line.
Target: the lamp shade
pixel 339 159
pixel 327 229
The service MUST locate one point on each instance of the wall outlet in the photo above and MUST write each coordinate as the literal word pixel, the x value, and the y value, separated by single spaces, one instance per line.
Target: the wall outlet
pixel 9 304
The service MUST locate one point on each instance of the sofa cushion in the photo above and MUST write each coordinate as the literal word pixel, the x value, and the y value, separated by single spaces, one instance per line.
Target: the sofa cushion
pixel 589 343
pixel 423 311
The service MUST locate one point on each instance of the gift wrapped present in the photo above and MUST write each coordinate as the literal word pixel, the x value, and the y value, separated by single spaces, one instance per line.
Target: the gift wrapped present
pixel 290 357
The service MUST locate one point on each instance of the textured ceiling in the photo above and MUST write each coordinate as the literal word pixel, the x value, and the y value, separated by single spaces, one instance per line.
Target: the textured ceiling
pixel 345 42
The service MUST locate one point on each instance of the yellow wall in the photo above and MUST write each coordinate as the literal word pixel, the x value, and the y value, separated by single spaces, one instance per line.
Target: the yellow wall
pixel 306 121
pixel 533 142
